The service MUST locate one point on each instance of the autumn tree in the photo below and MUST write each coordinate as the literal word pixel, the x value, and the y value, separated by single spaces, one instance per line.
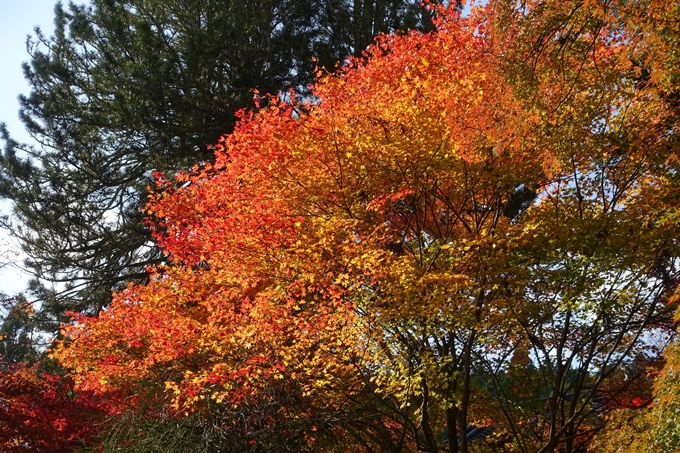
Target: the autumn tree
pixel 125 88
pixel 382 265
pixel 603 74
pixel 39 412
pixel 648 424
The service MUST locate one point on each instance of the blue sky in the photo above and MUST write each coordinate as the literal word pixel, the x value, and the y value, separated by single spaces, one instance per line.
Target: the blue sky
pixel 18 18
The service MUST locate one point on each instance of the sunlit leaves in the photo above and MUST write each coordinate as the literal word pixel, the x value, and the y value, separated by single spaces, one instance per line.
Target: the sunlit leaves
pixel 470 226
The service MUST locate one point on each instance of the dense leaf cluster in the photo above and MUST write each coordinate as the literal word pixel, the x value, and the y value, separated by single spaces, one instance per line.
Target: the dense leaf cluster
pixel 471 228
pixel 125 88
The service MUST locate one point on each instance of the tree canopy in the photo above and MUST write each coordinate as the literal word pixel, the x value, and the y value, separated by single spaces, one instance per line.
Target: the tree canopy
pixel 126 88
pixel 475 226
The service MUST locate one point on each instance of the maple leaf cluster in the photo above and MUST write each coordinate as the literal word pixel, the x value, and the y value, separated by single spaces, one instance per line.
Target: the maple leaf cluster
pixel 41 412
pixel 476 226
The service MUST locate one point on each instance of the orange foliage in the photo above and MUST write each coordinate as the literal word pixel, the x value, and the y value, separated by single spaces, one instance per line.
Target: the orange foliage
pixel 449 198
